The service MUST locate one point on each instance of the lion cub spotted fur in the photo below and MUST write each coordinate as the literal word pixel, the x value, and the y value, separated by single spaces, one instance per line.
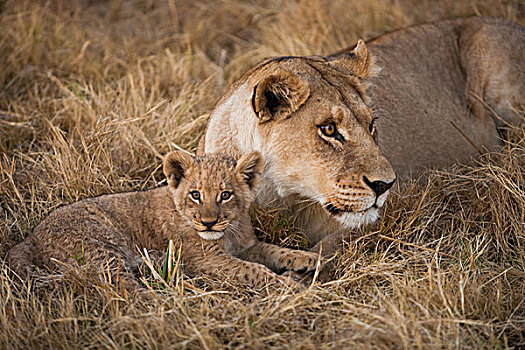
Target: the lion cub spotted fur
pixel 204 208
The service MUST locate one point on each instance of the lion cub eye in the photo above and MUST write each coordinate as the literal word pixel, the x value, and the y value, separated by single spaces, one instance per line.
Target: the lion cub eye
pixel 328 130
pixel 226 196
pixel 195 195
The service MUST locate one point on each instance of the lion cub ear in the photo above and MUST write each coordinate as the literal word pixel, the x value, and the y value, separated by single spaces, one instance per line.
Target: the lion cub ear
pixel 175 164
pixel 358 62
pixel 279 95
pixel 250 167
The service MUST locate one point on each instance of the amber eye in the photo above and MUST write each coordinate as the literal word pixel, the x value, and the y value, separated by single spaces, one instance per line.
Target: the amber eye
pixel 328 130
pixel 195 195
pixel 225 196
pixel 372 127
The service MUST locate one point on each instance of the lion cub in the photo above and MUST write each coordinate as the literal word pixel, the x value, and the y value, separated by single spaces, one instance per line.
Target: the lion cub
pixel 204 208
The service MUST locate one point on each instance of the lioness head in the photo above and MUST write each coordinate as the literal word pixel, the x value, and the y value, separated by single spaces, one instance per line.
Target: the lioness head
pixel 212 192
pixel 310 119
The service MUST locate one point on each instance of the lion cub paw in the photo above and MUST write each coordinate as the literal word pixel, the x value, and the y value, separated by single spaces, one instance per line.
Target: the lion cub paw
pixel 293 280
pixel 298 261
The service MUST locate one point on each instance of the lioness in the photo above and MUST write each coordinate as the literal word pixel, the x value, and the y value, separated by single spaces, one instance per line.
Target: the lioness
pixel 333 130
pixel 205 208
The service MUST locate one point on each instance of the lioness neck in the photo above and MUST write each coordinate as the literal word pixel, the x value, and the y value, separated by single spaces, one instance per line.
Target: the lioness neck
pixel 238 127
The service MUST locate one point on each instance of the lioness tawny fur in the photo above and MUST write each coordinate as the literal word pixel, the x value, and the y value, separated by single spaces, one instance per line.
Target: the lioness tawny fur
pixel 334 129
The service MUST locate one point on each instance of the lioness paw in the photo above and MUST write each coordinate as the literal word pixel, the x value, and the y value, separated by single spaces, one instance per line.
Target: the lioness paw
pixel 298 261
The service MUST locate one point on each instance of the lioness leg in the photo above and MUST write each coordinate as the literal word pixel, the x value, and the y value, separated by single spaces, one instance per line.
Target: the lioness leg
pixel 330 247
pixel 493 57
pixel 280 259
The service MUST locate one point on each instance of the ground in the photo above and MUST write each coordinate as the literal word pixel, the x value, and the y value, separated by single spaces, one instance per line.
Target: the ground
pixel 93 94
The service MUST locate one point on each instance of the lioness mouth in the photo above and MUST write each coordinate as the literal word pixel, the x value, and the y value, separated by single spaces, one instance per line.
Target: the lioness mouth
pixel 332 209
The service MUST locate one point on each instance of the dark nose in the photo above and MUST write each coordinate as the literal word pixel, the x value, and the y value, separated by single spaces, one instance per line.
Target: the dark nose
pixel 379 187
pixel 208 223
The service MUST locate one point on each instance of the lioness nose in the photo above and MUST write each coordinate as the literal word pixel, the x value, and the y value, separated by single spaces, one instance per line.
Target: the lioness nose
pixel 379 187
pixel 209 223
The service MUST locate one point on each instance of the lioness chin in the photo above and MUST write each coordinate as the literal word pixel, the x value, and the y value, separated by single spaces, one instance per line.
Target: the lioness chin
pixel 204 209
pixel 333 129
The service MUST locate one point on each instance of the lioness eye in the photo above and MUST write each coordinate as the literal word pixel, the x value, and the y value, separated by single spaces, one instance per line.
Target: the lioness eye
pixel 372 127
pixel 328 130
pixel 195 195
pixel 225 196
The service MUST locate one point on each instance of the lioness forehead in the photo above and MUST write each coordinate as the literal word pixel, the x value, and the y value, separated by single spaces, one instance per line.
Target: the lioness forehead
pixel 326 83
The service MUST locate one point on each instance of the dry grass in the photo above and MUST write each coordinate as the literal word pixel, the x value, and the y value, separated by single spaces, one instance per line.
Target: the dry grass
pixel 93 94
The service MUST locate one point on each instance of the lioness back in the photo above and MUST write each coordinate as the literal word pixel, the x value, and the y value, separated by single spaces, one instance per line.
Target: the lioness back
pixel 438 85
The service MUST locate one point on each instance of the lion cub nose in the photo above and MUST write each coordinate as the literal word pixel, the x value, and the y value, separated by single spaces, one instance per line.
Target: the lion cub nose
pixel 209 223
pixel 379 187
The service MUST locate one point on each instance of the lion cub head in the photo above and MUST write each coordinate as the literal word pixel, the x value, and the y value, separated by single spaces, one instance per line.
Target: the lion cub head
pixel 213 192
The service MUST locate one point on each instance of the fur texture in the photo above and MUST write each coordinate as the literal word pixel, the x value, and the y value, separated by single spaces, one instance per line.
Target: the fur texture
pixel 204 208
pixel 434 100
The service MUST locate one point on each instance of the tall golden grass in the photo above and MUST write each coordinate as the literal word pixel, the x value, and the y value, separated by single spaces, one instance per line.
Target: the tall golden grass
pixel 93 93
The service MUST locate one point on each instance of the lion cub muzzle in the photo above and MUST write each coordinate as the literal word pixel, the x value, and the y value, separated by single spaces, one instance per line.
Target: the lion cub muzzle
pixel 209 224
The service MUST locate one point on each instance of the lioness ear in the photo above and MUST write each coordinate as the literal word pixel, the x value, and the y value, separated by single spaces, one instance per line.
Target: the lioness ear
pixel 250 166
pixel 358 62
pixel 175 165
pixel 279 95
